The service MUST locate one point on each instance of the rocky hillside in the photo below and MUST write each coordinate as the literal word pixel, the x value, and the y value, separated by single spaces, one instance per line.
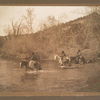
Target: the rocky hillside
pixel 82 33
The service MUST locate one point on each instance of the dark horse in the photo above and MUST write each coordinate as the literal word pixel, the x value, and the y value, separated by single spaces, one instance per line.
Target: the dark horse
pixel 83 60
pixel 30 65
pixel 77 59
pixel 24 63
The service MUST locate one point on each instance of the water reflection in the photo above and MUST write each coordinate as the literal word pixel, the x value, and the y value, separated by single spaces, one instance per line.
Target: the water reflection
pixel 29 77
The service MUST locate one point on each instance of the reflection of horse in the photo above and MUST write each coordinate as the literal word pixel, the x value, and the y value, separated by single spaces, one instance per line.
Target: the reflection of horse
pixel 34 65
pixel 29 77
pixel 67 60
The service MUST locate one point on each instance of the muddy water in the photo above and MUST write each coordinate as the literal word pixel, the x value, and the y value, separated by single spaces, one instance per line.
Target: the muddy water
pixel 50 79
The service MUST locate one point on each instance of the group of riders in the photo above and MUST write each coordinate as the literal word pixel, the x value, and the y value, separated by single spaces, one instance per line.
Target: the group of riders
pixel 32 59
pixel 64 59
pixel 77 58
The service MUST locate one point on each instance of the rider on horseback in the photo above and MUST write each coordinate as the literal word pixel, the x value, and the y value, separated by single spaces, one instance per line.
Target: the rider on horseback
pixel 33 56
pixel 63 57
pixel 79 52
pixel 78 56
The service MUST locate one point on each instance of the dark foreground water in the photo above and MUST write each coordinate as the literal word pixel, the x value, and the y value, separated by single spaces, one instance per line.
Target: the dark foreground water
pixel 50 79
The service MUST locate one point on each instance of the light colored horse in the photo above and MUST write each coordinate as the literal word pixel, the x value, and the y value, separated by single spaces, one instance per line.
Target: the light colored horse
pixel 56 57
pixel 34 65
pixel 31 64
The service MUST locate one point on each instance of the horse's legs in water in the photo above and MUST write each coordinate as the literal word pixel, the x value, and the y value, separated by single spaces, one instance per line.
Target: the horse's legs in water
pixel 26 68
pixel 70 61
pixel 83 60
pixel 64 63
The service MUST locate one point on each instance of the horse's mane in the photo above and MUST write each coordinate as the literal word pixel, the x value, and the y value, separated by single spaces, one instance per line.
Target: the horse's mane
pixel 55 57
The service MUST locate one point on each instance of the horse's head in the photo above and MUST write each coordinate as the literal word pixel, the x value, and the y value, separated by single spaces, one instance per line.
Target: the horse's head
pixel 37 66
pixel 56 57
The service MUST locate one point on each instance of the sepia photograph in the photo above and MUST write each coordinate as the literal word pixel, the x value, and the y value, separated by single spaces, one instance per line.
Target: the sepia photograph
pixel 51 49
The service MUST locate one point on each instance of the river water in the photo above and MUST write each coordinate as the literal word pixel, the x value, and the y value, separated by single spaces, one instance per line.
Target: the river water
pixel 50 79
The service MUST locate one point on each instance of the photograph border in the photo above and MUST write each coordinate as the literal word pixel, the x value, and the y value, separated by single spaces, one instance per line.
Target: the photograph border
pixel 49 3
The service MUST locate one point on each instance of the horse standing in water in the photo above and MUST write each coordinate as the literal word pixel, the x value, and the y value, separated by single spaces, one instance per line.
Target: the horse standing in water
pixel 62 64
pixel 58 58
pixel 77 60
pixel 33 65
pixel 70 60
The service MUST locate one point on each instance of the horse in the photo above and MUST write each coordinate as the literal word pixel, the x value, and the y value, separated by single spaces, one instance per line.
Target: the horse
pixel 56 57
pixel 67 60
pixel 77 59
pixel 33 65
pixel 24 63
pixel 83 59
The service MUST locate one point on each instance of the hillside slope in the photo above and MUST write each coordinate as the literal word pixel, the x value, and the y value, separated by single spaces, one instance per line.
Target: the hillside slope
pixel 82 33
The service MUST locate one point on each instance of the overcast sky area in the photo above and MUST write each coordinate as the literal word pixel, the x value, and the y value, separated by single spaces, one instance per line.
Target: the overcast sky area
pixel 41 12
